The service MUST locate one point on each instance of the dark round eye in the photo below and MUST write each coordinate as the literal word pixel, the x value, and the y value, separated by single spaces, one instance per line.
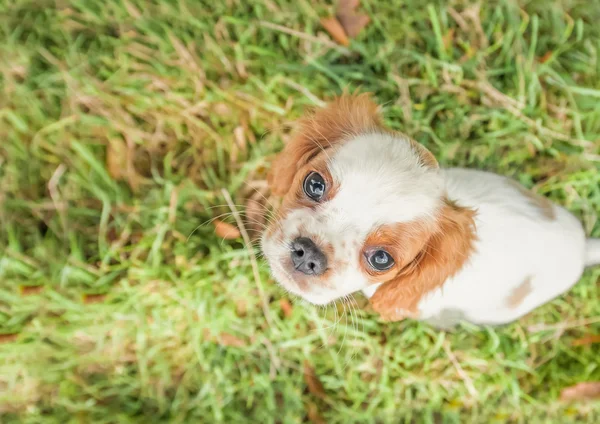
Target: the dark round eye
pixel 314 186
pixel 380 260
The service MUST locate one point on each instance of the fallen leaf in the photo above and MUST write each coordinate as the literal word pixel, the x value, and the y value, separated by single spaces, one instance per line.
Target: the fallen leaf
pixel 286 307
pixel 142 164
pixel 313 414
pixel 225 339
pixel 587 340
pixel 335 29
pixel 241 308
pixel 225 230
pixel 581 391
pixel 111 235
pixel 240 137
pixel 30 290
pixel 315 387
pixel 348 4
pixel 448 38
pixel 233 154
pixel 546 57
pixel 93 298
pixel 116 159
pixel 7 338
pixel 222 109
pixel 351 21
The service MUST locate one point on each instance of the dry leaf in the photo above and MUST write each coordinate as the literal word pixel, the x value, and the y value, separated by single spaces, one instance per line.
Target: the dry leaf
pixel 225 339
pixel 225 230
pixel 448 39
pixel 335 29
pixel 313 414
pixel 111 235
pixel 286 307
pixel 351 21
pixel 546 57
pixel 315 387
pixel 587 340
pixel 581 391
pixel 222 109
pixel 93 298
pixel 348 4
pixel 7 338
pixel 233 154
pixel 116 159
pixel 240 138
pixel 241 308
pixel 30 290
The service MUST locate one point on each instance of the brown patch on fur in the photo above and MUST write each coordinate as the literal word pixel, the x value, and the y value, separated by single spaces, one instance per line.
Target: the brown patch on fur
pixel 325 128
pixel 443 254
pixel 295 196
pixel 402 241
pixel 544 206
pixel 519 293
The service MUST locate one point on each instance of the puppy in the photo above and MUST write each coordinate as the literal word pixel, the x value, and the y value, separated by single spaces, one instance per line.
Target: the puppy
pixel 367 209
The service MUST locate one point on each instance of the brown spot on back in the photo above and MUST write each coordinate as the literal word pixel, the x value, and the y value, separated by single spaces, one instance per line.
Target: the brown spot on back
pixel 544 206
pixel 519 293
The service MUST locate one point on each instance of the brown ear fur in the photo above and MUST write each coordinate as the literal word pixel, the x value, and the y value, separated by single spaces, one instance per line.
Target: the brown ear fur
pixel 444 254
pixel 347 115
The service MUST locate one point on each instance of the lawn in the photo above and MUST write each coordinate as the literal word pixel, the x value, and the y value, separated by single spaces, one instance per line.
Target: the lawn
pixel 125 125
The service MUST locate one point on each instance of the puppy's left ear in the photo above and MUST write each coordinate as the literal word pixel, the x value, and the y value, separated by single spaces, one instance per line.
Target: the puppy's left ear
pixel 444 254
pixel 325 128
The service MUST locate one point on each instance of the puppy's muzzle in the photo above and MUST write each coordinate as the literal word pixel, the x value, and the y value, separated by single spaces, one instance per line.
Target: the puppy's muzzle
pixel 307 257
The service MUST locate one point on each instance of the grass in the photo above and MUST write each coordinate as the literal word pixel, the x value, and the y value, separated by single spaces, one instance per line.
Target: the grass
pixel 122 121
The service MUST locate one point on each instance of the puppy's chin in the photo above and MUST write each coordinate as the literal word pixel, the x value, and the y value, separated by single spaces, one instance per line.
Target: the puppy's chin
pixel 319 299
pixel 286 280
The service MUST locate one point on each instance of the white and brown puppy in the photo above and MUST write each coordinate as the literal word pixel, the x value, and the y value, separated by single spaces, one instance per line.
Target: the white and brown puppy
pixel 367 209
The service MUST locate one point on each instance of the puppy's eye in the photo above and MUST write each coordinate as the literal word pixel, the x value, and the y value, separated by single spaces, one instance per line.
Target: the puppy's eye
pixel 380 260
pixel 314 186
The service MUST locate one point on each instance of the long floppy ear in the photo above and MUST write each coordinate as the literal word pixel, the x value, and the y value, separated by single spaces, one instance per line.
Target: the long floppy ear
pixel 443 255
pixel 345 116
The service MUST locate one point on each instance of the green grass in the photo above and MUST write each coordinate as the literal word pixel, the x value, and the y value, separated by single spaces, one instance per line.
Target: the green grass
pixel 164 87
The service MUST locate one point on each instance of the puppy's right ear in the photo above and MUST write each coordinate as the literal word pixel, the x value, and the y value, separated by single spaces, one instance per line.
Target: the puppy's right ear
pixel 346 116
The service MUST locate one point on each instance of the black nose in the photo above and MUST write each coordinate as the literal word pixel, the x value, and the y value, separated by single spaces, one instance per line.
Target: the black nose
pixel 307 257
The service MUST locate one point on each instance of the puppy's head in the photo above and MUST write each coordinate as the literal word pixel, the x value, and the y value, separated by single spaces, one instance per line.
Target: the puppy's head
pixel 361 205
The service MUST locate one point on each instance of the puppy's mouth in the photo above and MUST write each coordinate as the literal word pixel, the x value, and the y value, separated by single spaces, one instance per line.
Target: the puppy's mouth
pixel 299 266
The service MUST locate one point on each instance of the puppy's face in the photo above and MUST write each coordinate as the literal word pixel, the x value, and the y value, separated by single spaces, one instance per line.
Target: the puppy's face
pixel 361 205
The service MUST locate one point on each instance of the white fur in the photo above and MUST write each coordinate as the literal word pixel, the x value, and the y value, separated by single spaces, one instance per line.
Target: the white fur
pixel 376 174
pixel 382 181
pixel 515 243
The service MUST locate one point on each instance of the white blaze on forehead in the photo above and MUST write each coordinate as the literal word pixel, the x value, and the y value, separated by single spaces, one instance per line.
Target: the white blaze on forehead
pixel 382 181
